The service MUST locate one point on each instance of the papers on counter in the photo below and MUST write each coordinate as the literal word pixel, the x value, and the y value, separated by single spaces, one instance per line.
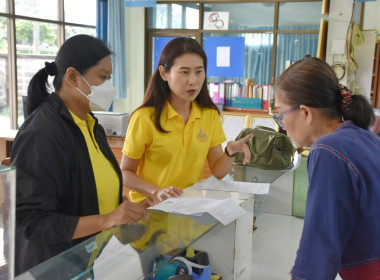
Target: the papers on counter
pixel 118 260
pixel 224 210
pixel 231 186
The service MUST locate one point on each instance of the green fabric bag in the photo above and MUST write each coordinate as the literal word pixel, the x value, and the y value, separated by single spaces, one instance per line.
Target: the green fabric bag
pixel 269 149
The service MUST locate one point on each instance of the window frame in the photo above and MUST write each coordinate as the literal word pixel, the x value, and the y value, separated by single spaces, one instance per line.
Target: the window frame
pixel 11 18
pixel 198 33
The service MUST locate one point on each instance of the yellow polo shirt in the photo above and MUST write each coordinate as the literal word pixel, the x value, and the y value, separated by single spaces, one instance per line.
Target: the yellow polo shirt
pixel 175 158
pixel 106 178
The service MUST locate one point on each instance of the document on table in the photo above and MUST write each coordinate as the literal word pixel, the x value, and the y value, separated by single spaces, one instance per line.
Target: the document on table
pixel 231 186
pixel 224 210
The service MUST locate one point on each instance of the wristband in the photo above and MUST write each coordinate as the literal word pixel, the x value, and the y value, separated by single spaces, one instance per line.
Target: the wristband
pixel 228 154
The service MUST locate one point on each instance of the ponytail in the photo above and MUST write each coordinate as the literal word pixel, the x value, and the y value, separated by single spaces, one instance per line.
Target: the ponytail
pixel 360 112
pixel 80 52
pixel 312 82
pixel 37 90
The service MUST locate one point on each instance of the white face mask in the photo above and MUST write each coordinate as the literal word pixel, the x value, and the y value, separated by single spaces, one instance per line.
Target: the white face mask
pixel 101 96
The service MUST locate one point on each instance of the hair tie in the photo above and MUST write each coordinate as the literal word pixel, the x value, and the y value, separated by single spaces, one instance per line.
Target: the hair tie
pixel 346 97
pixel 51 68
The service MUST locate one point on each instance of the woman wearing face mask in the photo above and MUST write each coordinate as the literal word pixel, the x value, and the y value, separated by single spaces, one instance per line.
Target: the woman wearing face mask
pixel 69 184
pixel 176 129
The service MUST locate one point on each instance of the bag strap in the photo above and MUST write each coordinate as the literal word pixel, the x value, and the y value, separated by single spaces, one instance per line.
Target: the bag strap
pixel 270 139
pixel 266 128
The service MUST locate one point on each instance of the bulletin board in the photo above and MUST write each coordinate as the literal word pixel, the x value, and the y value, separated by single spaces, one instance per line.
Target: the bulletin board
pixel 268 121
pixel 233 124
pixel 225 56
pixel 159 44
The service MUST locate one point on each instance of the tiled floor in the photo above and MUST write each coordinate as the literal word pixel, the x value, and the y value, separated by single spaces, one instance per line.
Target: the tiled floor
pixel 275 243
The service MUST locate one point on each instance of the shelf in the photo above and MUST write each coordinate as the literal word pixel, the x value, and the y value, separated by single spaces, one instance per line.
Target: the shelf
pixel 252 111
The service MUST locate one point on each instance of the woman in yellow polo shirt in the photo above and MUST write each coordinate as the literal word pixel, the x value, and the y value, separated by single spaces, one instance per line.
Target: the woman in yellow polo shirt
pixel 176 129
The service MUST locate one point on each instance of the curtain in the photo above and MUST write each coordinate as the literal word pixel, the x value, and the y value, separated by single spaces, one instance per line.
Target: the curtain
pixel 293 47
pixel 101 19
pixel 258 52
pixel 116 40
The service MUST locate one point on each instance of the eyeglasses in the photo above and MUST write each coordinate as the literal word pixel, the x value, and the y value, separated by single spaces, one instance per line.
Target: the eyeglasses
pixel 278 117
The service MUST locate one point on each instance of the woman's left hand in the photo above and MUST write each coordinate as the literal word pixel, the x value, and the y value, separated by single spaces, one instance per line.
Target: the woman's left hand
pixel 240 146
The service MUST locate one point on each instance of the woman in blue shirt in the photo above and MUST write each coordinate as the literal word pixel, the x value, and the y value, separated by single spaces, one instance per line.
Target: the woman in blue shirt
pixel 342 226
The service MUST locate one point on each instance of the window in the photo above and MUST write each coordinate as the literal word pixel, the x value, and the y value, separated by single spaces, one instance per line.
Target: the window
pixel 36 30
pixel 275 33
pixel 4 98
pixel 174 16
pixel 3 6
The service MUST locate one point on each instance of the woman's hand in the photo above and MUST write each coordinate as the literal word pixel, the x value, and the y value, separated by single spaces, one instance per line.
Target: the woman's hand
pixel 149 201
pixel 240 146
pixel 163 194
pixel 126 213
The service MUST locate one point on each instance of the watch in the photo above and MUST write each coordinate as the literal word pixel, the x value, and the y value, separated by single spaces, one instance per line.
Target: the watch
pixel 228 154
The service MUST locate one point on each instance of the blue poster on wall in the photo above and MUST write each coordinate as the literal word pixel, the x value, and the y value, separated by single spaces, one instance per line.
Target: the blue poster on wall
pixel 225 56
pixel 139 3
pixel 159 44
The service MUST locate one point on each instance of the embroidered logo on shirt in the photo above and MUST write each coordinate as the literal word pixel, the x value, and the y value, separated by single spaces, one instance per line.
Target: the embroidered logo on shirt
pixel 201 136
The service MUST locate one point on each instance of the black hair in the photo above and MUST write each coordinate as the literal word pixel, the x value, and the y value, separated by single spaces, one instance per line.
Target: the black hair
pixel 312 82
pixel 80 51
pixel 158 91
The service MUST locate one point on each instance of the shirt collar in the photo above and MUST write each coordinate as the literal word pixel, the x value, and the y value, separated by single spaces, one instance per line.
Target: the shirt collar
pixel 78 121
pixel 194 114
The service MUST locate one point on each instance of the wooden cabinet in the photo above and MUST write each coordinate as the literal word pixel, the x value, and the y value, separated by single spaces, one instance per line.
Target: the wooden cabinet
pixel 6 140
pixel 116 144
pixel 375 85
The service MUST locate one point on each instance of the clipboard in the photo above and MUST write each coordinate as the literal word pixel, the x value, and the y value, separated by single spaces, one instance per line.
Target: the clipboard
pixel 233 123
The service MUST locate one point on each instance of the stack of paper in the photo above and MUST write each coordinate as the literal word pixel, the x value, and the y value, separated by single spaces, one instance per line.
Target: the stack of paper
pixel 224 210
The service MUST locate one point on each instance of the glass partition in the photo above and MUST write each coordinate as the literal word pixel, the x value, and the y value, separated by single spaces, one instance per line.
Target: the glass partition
pixel 293 47
pixel 245 173
pixel 127 251
pixel 246 16
pixel 299 15
pixel 7 221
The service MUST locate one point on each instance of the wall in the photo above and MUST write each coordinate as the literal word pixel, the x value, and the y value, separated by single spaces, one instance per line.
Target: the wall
pixel 372 19
pixel 338 22
pixel 340 13
pixel 135 50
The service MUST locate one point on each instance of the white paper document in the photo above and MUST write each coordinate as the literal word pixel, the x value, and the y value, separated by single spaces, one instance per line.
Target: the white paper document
pixel 224 210
pixel 118 260
pixel 223 56
pixel 231 186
